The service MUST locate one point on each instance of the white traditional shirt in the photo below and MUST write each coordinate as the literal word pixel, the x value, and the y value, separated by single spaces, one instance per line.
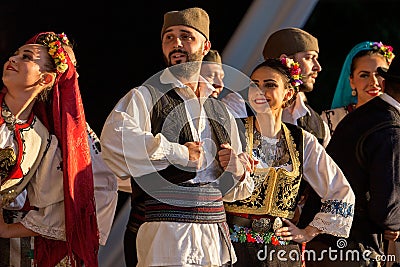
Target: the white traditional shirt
pixel 105 188
pixel 333 116
pixel 236 104
pixel 45 189
pixel 390 100
pixel 130 149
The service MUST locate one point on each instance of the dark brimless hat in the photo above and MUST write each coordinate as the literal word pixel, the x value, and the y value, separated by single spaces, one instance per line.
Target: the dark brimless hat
pixel 194 17
pixel 289 41
pixel 393 73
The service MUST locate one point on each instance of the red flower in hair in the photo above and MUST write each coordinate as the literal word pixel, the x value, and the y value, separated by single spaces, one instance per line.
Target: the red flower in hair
pixel 295 71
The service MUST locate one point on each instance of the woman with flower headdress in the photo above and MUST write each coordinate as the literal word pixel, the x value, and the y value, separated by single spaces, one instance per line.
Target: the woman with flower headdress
pixel 260 226
pixel 359 80
pixel 359 83
pixel 46 159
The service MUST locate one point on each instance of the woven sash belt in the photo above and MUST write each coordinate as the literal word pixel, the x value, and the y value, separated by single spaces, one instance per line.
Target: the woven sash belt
pixel 196 204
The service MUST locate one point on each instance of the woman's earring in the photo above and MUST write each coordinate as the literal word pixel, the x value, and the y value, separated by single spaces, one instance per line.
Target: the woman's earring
pixel 353 92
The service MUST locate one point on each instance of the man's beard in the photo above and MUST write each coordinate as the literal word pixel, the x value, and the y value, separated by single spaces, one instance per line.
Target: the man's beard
pixel 187 69
pixel 306 86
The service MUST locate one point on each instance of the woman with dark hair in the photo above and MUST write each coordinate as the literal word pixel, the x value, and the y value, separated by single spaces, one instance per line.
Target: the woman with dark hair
pixel 46 159
pixel 261 227
pixel 359 80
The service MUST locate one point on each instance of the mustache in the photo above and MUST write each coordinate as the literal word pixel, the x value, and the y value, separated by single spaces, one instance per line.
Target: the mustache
pixel 178 51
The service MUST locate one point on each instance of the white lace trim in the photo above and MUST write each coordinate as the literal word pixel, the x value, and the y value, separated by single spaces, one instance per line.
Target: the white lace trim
pixel 48 232
pixel 338 226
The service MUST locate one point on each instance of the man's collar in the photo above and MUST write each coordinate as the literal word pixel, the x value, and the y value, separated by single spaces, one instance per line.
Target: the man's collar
pixel 297 110
pixel 167 77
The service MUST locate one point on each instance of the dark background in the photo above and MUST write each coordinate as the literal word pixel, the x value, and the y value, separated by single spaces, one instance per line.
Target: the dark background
pixel 118 46
pixel 341 24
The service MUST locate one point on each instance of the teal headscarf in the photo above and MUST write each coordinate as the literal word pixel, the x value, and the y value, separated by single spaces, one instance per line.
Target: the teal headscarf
pixel 343 97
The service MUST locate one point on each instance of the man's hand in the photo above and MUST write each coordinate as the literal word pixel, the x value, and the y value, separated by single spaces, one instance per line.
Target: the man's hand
pixel 247 161
pixel 196 154
pixel 391 235
pixel 230 162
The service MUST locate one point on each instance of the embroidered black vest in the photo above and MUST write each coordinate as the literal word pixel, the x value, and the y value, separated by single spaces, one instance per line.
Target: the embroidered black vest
pixel 168 116
pixel 313 123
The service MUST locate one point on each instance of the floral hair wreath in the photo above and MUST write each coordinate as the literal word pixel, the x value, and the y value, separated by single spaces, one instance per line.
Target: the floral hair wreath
pixel 56 51
pixel 295 72
pixel 385 50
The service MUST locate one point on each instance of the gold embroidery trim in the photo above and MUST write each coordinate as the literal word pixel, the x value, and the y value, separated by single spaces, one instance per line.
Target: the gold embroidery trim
pixel 8 159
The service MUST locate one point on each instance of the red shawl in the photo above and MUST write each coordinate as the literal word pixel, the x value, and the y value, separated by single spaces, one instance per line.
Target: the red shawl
pixel 64 116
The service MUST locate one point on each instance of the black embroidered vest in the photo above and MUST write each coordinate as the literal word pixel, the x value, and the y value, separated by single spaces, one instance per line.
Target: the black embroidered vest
pixel 168 116
pixel 314 124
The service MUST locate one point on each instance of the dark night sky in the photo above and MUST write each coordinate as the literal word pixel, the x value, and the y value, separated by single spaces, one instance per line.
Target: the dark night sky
pixel 118 44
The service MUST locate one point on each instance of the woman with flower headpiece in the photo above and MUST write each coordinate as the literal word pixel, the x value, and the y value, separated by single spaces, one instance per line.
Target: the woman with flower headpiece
pixel 260 226
pixel 359 80
pixel 45 154
pixel 359 83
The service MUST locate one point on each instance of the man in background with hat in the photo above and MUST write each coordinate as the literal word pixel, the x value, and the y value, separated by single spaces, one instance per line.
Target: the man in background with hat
pixel 302 47
pixel 180 146
pixel 366 146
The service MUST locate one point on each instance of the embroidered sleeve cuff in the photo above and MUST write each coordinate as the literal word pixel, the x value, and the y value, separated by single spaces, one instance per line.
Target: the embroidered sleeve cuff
pixel 50 232
pixel 340 227
pixel 335 218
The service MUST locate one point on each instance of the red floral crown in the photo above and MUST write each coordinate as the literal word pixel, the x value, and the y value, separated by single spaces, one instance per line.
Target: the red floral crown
pixel 56 51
